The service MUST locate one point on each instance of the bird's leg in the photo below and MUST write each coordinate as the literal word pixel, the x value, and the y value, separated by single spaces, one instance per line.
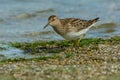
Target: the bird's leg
pixel 83 36
pixel 71 43
pixel 78 42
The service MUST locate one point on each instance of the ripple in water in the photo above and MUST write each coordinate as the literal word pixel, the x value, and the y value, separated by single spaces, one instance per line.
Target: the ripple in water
pixel 6 52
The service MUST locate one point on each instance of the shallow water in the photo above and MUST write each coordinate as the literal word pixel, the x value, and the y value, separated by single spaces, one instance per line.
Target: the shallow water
pixel 23 20
pixel 21 17
pixel 7 52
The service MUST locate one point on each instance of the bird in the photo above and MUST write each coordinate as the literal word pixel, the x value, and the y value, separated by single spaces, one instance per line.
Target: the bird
pixel 70 28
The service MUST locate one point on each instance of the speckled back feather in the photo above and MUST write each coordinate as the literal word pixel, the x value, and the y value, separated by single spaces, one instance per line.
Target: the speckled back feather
pixel 79 24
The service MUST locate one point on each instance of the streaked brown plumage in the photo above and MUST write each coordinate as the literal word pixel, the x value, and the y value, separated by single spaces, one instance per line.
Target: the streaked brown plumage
pixel 70 28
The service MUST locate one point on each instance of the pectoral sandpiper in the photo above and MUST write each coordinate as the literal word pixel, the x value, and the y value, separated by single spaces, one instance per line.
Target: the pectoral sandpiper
pixel 70 28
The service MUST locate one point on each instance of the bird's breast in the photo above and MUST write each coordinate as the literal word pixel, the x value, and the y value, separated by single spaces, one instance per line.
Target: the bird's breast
pixel 60 30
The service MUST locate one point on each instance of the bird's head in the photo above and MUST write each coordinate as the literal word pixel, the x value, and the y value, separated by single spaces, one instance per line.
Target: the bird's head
pixel 52 21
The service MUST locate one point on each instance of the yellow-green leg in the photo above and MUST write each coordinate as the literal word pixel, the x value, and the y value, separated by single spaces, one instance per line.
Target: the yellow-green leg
pixel 72 43
pixel 78 42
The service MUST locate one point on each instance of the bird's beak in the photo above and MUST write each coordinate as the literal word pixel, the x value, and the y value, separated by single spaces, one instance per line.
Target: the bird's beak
pixel 45 25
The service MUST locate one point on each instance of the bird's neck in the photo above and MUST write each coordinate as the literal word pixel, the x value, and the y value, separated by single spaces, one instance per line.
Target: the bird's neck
pixel 59 29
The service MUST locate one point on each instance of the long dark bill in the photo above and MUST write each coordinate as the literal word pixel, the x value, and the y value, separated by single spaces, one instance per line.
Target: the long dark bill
pixel 45 25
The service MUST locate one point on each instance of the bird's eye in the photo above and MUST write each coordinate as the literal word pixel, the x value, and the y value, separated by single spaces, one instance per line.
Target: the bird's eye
pixel 53 19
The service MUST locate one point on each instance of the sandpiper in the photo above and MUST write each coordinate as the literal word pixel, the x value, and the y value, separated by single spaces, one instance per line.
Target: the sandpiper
pixel 70 28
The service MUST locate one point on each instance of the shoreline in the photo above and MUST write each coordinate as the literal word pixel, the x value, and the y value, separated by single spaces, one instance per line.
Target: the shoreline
pixel 93 59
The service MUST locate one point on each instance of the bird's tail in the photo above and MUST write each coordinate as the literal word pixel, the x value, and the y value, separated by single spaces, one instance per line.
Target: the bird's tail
pixel 91 22
pixel 94 20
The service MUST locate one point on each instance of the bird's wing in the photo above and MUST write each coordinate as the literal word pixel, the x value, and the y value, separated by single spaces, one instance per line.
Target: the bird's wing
pixel 78 23
pixel 75 23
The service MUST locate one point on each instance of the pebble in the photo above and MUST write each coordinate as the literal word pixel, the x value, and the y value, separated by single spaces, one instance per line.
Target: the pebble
pixel 82 65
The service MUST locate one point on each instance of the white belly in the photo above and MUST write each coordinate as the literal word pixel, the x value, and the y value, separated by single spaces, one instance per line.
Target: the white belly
pixel 75 35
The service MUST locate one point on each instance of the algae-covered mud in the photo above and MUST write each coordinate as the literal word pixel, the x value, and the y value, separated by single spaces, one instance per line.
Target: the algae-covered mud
pixel 93 59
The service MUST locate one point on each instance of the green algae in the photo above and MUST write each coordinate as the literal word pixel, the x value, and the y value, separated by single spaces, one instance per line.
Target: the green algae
pixel 69 55
pixel 64 50
pixel 88 59
pixel 35 46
